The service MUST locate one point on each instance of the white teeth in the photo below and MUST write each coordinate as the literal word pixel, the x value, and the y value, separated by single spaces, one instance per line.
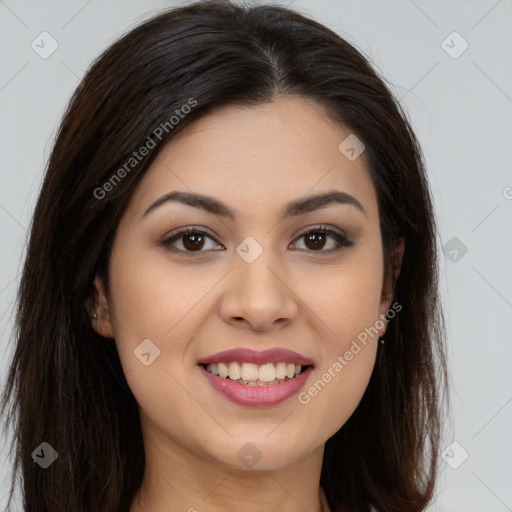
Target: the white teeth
pixel 234 371
pixel 223 370
pixel 249 371
pixel 254 375
pixel 267 373
pixel 280 370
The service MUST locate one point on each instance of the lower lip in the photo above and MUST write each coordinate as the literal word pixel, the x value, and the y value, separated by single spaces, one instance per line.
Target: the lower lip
pixel 257 396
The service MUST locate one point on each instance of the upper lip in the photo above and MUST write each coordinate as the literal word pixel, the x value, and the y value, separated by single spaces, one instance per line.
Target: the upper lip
pixel 259 357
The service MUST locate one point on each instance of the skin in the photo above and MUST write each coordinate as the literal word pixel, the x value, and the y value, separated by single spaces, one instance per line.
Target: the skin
pixel 194 304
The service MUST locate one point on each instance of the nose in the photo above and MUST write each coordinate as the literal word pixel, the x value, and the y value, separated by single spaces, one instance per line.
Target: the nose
pixel 258 296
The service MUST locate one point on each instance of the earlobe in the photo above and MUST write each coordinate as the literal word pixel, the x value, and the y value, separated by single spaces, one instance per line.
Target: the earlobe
pixel 97 306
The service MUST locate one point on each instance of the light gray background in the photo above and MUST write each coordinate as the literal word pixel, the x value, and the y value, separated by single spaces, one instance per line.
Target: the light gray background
pixel 461 109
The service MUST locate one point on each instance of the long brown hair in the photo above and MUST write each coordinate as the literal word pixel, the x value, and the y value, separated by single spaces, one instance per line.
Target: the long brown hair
pixel 65 384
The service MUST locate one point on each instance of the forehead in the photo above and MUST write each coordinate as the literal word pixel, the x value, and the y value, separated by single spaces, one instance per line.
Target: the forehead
pixel 265 154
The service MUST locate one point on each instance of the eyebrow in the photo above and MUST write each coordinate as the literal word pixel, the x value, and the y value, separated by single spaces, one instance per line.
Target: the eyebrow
pixel 292 209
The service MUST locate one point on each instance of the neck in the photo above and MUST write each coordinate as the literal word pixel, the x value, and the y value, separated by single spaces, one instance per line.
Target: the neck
pixel 177 478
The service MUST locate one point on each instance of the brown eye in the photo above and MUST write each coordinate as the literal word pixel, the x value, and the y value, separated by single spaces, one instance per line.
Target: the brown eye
pixel 191 240
pixel 314 241
pixel 322 240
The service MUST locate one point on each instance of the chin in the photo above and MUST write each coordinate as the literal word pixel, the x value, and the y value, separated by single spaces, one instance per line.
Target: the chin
pixel 257 453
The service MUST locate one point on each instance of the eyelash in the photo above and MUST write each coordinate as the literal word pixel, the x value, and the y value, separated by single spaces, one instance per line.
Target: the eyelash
pixel 343 241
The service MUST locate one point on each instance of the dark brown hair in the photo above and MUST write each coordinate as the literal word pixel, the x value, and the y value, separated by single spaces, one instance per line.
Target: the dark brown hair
pixel 65 384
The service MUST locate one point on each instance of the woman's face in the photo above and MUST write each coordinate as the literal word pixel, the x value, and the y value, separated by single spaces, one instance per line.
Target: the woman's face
pixel 266 272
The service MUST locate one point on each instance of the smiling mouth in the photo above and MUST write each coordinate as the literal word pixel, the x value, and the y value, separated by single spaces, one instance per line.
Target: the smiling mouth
pixel 250 374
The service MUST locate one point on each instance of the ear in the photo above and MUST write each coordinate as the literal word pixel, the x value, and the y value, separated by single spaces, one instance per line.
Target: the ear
pixel 388 288
pixel 97 306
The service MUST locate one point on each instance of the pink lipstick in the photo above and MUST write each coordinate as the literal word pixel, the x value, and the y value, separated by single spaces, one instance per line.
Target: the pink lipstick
pixel 257 378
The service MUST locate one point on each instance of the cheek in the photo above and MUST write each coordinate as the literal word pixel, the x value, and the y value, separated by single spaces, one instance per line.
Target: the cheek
pixel 346 298
pixel 152 303
pixel 336 390
pixel 151 297
pixel 348 358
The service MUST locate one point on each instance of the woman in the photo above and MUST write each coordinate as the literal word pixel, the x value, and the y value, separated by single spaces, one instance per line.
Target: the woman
pixel 234 213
